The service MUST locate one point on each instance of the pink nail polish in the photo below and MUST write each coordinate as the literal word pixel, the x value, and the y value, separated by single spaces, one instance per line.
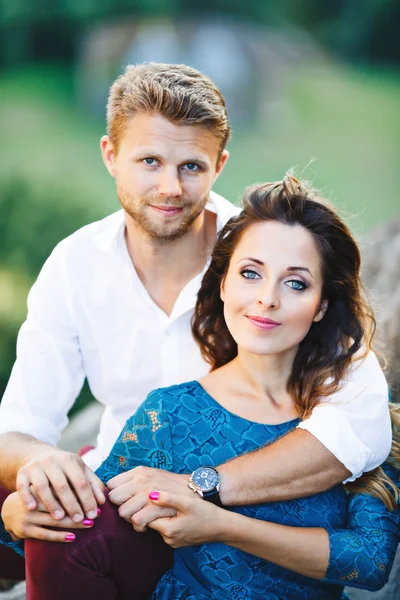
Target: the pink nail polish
pixel 70 537
pixel 154 495
pixel 87 522
pixel 98 512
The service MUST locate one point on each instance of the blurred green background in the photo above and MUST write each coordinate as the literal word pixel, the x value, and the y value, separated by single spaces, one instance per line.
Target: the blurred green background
pixel 304 80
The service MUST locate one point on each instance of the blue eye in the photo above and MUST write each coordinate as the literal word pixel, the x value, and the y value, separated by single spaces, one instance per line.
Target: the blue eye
pixel 191 167
pixel 150 161
pixel 250 274
pixel 297 285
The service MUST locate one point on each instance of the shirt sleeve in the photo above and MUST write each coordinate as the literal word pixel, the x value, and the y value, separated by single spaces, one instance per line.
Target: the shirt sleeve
pixel 48 373
pixel 145 440
pixel 354 423
pixel 362 555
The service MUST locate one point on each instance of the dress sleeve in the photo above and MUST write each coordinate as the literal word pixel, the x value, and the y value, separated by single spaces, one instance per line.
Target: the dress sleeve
pixel 362 555
pixel 354 423
pixel 6 540
pixel 145 440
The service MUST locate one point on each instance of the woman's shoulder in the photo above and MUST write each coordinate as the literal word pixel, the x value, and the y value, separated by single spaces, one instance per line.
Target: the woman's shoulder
pixel 166 397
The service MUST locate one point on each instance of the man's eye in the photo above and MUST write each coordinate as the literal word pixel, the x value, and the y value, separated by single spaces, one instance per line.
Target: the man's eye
pixel 191 167
pixel 249 274
pixel 150 161
pixel 295 284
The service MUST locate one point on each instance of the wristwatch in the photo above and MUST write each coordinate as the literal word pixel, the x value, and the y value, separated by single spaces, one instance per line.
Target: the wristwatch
pixel 205 481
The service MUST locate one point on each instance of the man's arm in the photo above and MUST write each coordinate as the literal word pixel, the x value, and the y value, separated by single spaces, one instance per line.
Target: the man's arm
pixel 344 436
pixel 297 465
pixel 44 383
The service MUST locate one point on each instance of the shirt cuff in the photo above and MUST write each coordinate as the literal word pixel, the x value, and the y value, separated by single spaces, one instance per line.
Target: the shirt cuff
pixel 328 424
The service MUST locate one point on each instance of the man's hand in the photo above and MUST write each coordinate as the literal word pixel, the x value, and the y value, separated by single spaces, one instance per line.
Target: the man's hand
pixel 22 523
pixel 196 522
pixel 62 482
pixel 130 491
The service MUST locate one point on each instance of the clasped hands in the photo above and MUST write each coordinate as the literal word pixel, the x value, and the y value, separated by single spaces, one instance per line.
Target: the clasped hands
pixel 51 496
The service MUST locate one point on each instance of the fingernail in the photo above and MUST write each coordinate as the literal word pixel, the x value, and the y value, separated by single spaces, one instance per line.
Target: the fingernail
pixel 58 514
pixel 154 495
pixel 31 505
pixel 70 537
pixel 92 514
pixel 77 518
pixel 98 512
pixel 87 522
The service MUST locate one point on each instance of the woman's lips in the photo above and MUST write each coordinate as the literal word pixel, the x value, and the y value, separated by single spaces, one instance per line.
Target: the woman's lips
pixel 262 323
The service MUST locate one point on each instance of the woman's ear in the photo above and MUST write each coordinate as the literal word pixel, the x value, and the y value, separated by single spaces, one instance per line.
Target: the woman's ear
pixel 322 310
pixel 222 289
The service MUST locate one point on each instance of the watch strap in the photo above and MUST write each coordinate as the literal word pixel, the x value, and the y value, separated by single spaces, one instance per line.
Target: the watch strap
pixel 213 496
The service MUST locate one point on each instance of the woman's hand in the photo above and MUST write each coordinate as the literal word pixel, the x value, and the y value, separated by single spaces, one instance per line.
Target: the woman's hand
pixel 196 521
pixel 22 523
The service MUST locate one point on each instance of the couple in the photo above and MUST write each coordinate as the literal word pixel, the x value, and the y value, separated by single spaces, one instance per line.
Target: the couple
pixel 91 314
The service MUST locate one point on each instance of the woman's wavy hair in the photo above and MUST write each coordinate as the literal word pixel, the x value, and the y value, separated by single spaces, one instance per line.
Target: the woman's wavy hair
pixel 347 328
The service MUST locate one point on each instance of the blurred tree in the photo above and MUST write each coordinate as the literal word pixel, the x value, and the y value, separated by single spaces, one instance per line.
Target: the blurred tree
pixel 362 30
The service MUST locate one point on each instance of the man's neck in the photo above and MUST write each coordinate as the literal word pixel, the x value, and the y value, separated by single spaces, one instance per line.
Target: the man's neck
pixel 166 266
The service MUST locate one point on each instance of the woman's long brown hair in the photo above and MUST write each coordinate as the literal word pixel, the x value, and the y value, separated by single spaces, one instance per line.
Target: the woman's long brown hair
pixel 330 347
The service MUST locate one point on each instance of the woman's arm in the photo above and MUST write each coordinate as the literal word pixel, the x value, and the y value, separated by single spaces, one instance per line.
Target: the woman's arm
pixel 360 555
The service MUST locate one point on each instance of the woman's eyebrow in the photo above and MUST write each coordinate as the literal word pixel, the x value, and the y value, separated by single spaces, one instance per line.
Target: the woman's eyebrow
pixel 300 269
pixel 256 260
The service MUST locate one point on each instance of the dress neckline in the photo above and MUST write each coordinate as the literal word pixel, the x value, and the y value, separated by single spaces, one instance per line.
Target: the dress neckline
pixel 232 414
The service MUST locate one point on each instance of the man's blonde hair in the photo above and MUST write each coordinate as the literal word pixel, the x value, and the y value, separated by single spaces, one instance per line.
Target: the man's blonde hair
pixel 177 92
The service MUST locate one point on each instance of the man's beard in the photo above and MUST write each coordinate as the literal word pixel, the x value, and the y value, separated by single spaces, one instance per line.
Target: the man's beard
pixel 166 232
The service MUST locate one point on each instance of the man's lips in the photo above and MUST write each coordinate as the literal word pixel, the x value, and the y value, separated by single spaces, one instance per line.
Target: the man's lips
pixel 262 323
pixel 168 211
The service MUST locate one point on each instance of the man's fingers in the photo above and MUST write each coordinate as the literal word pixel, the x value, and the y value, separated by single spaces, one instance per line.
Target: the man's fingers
pixel 24 492
pixel 119 480
pixel 44 493
pixel 96 484
pixel 132 506
pixel 123 492
pixel 149 513
pixel 84 494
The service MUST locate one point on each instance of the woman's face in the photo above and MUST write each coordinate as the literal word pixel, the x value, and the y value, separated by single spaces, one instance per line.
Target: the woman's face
pixel 272 290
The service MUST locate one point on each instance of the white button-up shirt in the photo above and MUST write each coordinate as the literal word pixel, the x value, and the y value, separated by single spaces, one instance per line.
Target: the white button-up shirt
pixel 89 315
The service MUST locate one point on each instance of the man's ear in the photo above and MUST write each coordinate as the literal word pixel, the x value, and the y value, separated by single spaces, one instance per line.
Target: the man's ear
pixel 322 310
pixel 108 154
pixel 221 163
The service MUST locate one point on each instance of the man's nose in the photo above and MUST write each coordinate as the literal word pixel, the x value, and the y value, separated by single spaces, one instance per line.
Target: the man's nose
pixel 169 184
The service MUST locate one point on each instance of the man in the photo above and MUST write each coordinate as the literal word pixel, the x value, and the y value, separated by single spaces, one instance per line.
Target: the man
pixel 113 303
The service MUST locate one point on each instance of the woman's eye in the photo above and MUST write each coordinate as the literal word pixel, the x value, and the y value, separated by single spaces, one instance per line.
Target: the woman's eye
pixel 295 284
pixel 249 274
pixel 150 161
pixel 191 167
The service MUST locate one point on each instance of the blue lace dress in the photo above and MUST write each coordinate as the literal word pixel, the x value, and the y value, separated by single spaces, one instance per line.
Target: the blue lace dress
pixel 181 428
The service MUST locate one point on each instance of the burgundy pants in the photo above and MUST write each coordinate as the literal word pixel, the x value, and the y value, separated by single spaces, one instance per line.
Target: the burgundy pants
pixel 109 561
pixel 12 566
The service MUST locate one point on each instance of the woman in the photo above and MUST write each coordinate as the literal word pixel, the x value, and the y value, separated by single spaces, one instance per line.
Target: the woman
pixel 280 317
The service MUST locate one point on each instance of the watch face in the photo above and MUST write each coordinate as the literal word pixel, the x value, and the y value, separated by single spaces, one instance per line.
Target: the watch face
pixel 205 478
